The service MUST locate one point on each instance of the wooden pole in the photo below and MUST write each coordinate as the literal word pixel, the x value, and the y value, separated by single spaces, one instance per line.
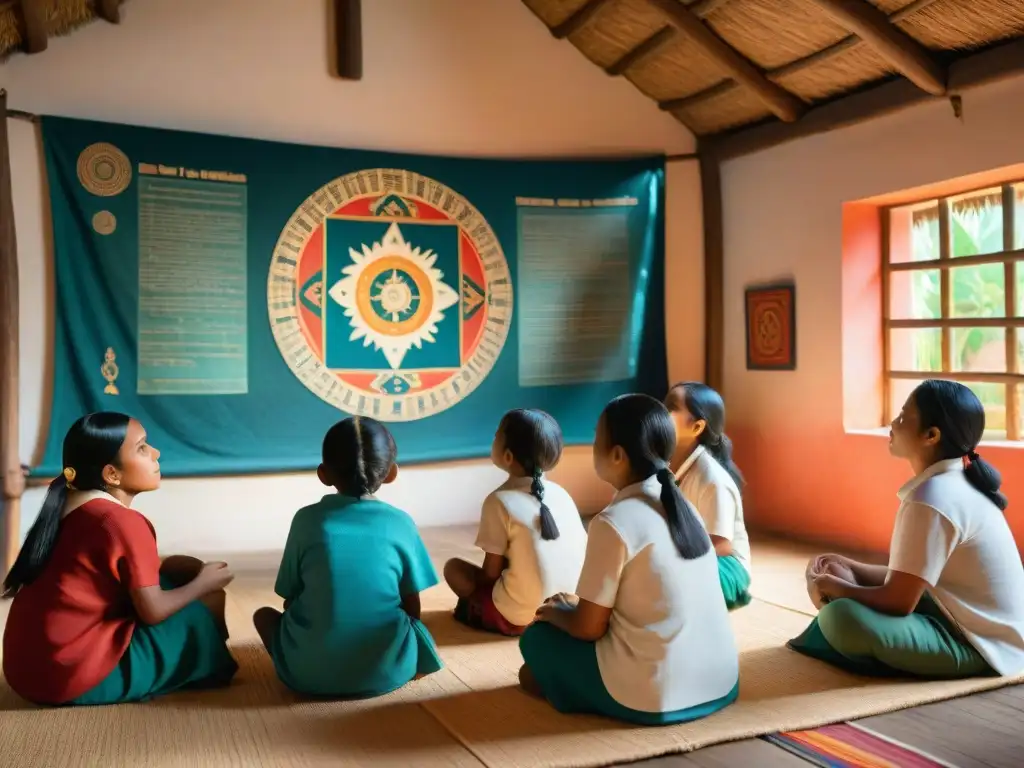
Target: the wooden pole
pixel 12 478
pixel 714 272
pixel 348 38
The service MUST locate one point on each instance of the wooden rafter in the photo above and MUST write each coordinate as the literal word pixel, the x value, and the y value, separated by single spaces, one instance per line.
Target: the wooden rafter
pixel 977 69
pixel 33 26
pixel 653 44
pixel 907 55
pixel 109 10
pixel 798 65
pixel 784 104
pixel 580 18
pixel 643 51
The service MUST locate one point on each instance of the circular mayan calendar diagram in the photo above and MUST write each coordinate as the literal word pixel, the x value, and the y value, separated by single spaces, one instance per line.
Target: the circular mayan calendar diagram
pixel 389 295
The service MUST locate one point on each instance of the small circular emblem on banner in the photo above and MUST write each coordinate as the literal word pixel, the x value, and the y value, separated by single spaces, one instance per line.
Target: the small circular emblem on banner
pixel 104 170
pixel 104 223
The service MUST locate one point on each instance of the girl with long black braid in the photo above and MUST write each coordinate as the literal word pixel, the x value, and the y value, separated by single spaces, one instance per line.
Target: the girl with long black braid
pixel 530 531
pixel 709 479
pixel 647 639
pixel 949 603
pixel 97 617
pixel 350 577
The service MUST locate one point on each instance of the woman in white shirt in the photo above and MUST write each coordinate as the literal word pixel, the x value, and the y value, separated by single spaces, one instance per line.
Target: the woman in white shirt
pixel 647 640
pixel 950 604
pixel 530 531
pixel 709 480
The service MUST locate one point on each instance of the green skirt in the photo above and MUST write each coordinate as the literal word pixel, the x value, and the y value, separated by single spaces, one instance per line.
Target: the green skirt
pixel 861 640
pixel 186 650
pixel 568 674
pixel 735 582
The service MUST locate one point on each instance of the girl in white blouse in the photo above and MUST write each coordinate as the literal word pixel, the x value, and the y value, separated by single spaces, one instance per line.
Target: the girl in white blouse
pixel 950 603
pixel 709 480
pixel 647 638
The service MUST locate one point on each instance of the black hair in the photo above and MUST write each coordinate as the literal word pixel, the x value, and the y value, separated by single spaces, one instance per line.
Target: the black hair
pixel 535 441
pixel 958 414
pixel 359 453
pixel 91 444
pixel 705 404
pixel 643 428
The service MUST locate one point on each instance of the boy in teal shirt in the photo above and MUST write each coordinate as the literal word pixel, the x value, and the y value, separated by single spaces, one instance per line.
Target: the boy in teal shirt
pixel 350 577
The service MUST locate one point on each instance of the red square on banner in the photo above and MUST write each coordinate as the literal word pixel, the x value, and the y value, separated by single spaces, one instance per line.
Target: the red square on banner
pixel 771 327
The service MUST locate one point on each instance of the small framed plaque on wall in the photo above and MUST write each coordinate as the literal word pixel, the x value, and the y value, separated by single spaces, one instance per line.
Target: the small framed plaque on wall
pixel 771 327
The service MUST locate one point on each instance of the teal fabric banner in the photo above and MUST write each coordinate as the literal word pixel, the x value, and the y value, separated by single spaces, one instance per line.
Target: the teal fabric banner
pixel 238 296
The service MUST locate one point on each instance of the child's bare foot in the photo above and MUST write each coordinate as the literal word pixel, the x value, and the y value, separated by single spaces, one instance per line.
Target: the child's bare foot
pixel 529 683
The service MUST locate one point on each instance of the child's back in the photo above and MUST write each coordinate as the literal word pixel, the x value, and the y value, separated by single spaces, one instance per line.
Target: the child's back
pixel 346 567
pixel 351 574
pixel 538 567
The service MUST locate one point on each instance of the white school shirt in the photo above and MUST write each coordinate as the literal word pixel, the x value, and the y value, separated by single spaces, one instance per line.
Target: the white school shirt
pixel 669 643
pixel 954 538
pixel 537 568
pixel 710 488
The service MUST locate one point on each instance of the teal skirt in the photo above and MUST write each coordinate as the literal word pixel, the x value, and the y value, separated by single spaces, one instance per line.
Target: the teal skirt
pixel 735 582
pixel 861 640
pixel 186 650
pixel 568 674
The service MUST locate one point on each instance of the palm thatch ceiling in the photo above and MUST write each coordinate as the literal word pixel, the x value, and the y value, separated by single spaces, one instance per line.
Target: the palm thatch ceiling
pixel 27 25
pixel 720 65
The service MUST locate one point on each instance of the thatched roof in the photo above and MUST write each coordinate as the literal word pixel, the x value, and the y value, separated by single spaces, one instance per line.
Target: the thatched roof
pixel 26 25
pixel 789 55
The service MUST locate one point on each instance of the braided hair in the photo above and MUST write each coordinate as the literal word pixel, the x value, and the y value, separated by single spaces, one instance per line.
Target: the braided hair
pixel 958 414
pixel 643 428
pixel 705 404
pixel 359 452
pixel 535 441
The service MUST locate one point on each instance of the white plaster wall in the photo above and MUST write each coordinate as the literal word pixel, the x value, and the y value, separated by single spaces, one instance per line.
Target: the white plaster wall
pixel 449 77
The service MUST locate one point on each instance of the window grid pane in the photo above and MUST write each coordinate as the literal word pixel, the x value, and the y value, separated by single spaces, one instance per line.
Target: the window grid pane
pixel 977 225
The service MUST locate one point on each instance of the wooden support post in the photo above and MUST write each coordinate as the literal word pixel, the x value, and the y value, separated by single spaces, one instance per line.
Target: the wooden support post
pixel 714 272
pixel 348 38
pixel 12 479
pixel 34 37
pixel 784 104
pixel 893 44
pixel 109 10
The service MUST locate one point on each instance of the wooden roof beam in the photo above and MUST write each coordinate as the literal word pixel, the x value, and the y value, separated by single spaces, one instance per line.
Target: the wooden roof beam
pixel 653 44
pixel 907 55
pixel 798 65
pixel 643 51
pixel 784 104
pixel 579 19
pixel 109 10
pixel 34 37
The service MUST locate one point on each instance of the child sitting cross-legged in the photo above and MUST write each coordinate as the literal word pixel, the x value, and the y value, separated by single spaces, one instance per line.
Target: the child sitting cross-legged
pixel 351 576
pixel 530 531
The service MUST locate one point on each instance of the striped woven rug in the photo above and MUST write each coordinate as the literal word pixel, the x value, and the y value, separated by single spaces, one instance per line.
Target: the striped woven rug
pixel 849 745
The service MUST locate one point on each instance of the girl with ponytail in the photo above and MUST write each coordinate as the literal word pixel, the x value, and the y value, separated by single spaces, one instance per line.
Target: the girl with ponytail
pixel 703 466
pixel 530 531
pixel 350 577
pixel 647 639
pixel 96 617
pixel 948 604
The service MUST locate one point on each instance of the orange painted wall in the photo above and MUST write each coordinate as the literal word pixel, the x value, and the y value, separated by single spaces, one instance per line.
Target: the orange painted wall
pixel 808 211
